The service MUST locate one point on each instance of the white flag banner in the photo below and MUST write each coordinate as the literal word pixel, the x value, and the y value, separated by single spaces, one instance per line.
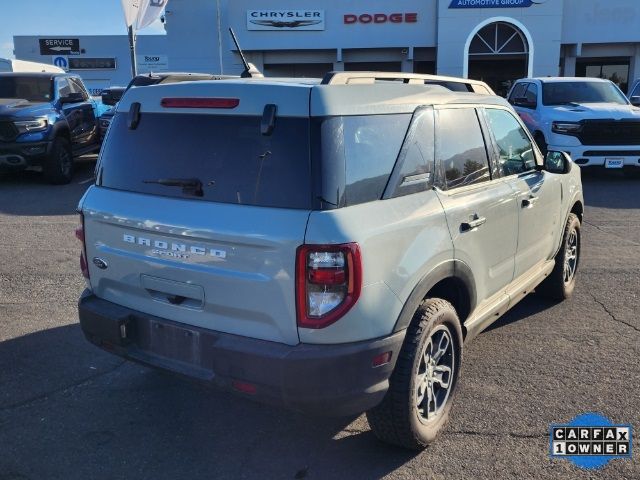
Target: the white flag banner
pixel 149 12
pixel 130 9
pixel 142 13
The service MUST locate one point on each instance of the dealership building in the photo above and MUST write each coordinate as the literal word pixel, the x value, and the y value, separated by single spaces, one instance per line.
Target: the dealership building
pixel 493 40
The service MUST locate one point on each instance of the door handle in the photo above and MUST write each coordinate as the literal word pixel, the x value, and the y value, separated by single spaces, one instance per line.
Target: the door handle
pixel 472 224
pixel 529 202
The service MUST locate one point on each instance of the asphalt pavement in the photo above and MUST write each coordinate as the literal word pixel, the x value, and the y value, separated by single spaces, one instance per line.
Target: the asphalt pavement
pixel 71 411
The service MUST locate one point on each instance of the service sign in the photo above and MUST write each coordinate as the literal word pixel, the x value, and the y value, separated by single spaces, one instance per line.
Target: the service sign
pixel 284 20
pixel 152 63
pixel 59 46
pixel 494 3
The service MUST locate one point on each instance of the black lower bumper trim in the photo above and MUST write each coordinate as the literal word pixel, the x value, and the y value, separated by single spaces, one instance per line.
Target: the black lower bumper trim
pixel 319 379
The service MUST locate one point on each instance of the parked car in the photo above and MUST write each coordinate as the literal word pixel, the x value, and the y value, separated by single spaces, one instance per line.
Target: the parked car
pixel 326 246
pixel 634 94
pixel 46 119
pixel 112 95
pixel 589 118
pixel 11 65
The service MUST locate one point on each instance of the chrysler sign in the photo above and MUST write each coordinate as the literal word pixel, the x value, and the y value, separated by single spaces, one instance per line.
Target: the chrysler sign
pixel 494 3
pixel 285 20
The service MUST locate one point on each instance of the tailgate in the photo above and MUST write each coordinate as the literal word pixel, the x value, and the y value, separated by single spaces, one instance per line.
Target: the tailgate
pixel 224 267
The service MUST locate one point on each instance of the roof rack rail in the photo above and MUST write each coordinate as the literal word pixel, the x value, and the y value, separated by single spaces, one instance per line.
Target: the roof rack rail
pixel 345 78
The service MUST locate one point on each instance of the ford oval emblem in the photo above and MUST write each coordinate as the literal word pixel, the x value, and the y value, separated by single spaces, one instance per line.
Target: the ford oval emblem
pixel 100 263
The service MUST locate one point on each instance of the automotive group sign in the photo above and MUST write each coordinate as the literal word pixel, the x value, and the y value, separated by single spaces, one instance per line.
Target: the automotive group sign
pixel 285 20
pixel 494 3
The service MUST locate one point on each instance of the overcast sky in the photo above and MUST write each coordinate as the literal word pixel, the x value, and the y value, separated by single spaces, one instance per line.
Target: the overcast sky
pixel 63 18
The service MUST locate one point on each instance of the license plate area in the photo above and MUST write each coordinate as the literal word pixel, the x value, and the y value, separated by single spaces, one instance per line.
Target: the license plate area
pixel 174 342
pixel 614 162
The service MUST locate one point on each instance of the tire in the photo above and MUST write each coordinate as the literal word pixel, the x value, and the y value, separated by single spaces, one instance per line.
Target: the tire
pixel 559 285
pixel 58 166
pixel 398 420
pixel 542 143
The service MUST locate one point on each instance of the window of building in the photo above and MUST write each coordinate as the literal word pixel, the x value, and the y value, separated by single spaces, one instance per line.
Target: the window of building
pixel 460 148
pixel 373 66
pixel 427 67
pixel 614 69
pixel 297 70
pixel 515 150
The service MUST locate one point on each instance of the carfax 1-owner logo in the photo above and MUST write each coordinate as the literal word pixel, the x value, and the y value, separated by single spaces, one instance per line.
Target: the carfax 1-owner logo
pixel 590 441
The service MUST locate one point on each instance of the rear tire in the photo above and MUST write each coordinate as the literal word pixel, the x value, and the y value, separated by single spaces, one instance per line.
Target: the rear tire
pixel 559 285
pixel 416 407
pixel 58 166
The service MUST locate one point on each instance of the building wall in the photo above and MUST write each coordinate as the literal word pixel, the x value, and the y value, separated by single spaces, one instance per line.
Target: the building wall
pixel 542 22
pixel 97 46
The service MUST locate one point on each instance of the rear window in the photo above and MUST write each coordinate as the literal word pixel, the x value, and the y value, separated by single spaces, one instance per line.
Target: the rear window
pixel 234 162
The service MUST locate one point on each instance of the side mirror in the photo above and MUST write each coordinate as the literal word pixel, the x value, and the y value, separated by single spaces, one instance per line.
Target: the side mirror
pixel 635 100
pixel 111 96
pixel 557 162
pixel 523 102
pixel 74 97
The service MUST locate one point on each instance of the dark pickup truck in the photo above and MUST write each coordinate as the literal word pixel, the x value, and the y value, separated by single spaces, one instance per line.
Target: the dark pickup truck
pixel 46 119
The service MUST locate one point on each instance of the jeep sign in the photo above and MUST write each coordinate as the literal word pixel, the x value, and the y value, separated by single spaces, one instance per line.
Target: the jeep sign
pixel 152 63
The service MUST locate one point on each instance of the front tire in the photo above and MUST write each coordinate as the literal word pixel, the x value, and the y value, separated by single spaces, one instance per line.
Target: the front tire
pixel 560 284
pixel 416 407
pixel 58 166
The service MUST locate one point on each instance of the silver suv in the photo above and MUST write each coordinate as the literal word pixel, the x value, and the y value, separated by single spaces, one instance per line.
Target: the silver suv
pixel 328 246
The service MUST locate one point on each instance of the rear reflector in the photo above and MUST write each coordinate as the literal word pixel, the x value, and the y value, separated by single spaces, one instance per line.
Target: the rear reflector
pixel 244 387
pixel 381 359
pixel 200 102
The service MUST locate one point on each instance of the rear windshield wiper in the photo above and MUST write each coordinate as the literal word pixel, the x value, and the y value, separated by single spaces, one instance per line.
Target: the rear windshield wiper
pixel 190 186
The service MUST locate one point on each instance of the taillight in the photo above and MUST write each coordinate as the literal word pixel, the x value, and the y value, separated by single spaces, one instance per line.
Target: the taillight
pixel 328 282
pixel 205 102
pixel 83 254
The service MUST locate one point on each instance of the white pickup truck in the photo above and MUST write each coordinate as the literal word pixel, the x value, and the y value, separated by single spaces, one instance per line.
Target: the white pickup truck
pixel 589 118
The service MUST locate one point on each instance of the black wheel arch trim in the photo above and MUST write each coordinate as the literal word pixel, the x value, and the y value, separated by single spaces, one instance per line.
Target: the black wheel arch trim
pixel 61 129
pixel 448 269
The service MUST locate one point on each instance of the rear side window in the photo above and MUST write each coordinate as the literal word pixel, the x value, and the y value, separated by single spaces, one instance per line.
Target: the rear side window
pixel 358 155
pixel 228 155
pixel 531 94
pixel 460 148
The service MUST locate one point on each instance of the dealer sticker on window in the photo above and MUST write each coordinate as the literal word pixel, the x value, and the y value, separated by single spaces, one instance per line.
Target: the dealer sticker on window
pixel 590 441
pixel 614 162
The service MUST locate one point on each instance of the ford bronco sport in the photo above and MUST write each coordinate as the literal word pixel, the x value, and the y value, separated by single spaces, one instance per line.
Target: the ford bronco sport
pixel 324 245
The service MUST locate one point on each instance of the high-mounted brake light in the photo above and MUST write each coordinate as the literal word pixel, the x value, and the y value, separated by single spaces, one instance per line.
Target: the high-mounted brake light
pixel 328 283
pixel 200 102
pixel 84 267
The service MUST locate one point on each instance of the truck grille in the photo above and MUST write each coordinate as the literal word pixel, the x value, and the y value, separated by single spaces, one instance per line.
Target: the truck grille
pixel 610 132
pixel 8 132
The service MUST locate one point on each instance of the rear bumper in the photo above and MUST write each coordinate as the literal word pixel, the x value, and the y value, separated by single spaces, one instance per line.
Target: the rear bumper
pixel 318 379
pixel 17 156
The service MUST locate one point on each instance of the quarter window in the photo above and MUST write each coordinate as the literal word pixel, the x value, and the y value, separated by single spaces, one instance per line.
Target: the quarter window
pixel 518 92
pixel 412 173
pixel 64 89
pixel 515 150
pixel 531 94
pixel 460 148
